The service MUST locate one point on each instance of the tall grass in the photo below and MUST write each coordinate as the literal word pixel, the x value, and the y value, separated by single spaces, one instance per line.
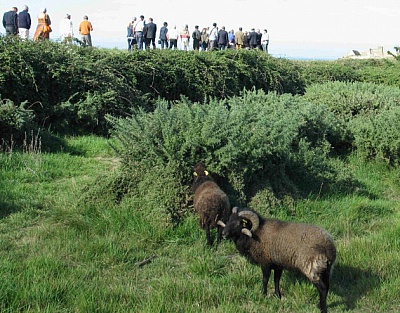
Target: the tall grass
pixel 60 253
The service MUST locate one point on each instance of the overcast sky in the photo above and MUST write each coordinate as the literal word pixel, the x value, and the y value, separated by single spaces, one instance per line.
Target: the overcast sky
pixel 350 23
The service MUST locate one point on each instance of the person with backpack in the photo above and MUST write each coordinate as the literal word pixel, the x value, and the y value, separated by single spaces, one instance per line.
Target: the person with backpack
pixel 196 35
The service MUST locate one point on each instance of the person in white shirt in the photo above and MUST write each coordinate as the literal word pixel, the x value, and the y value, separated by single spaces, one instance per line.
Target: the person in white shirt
pixel 172 37
pixel 212 36
pixel 138 28
pixel 66 30
pixel 265 40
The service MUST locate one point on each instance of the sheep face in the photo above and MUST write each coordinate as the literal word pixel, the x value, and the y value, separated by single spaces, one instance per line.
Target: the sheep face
pixel 200 170
pixel 239 225
pixel 200 175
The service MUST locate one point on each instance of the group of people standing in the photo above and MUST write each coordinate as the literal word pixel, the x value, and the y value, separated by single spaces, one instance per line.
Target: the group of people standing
pixel 20 24
pixel 143 35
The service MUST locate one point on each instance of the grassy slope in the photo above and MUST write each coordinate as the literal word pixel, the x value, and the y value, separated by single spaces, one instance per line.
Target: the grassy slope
pixel 60 255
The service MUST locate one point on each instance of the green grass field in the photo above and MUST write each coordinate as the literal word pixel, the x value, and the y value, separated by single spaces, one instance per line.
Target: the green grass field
pixel 60 253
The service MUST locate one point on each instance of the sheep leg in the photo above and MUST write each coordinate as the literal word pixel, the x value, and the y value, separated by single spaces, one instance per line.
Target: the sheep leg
pixel 277 278
pixel 266 270
pixel 323 286
pixel 219 235
pixel 208 235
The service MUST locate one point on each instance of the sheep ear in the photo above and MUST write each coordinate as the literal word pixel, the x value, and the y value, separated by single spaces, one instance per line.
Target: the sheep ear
pixel 206 173
pixel 194 174
pixel 247 232
pixel 235 210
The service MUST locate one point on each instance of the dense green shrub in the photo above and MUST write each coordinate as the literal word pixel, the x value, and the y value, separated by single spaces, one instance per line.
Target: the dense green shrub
pixel 15 121
pixel 347 100
pixel 73 88
pixel 251 142
pixel 368 113
pixel 378 136
pixel 378 71
pixel 77 87
pixel 317 72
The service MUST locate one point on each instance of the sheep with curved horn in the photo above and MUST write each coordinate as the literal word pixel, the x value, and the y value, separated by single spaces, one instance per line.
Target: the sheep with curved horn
pixel 278 245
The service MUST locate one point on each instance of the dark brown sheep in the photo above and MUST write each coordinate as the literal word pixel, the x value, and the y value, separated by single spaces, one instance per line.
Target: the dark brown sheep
pixel 278 245
pixel 210 202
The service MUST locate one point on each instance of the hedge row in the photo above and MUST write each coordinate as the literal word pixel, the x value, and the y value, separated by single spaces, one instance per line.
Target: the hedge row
pixel 70 89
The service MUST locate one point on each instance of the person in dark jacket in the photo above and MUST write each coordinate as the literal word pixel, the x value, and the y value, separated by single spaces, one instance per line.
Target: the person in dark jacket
pixel 259 35
pixel 150 32
pixel 24 23
pixel 196 35
pixel 222 38
pixel 252 39
pixel 10 22
pixel 164 36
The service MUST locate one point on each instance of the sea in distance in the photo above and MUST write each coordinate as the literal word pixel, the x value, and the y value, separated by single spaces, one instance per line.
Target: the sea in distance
pixel 295 51
pixel 289 50
pixel 302 51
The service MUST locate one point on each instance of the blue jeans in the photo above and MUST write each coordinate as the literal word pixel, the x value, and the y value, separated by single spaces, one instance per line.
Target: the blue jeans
pixel 164 42
pixel 139 40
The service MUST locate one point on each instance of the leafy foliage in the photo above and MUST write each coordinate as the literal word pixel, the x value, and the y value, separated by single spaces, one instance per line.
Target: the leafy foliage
pixel 251 142
pixel 347 100
pixel 378 136
pixel 14 120
pixel 73 88
pixel 317 72
pixel 368 113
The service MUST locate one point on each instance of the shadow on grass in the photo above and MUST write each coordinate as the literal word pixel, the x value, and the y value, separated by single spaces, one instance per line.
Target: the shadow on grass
pixel 6 209
pixel 351 284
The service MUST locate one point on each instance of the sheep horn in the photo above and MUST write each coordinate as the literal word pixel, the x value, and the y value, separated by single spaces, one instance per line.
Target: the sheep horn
pixel 247 232
pixel 253 217
pixel 221 223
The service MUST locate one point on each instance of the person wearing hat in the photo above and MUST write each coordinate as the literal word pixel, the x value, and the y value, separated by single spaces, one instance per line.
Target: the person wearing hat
pixel 24 23
pixel 85 27
pixel 66 29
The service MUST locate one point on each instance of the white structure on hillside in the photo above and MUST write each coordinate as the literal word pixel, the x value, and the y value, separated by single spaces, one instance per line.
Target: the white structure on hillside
pixel 378 53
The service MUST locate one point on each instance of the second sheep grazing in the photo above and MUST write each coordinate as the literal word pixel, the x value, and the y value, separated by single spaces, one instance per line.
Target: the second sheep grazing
pixel 210 202
pixel 278 245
